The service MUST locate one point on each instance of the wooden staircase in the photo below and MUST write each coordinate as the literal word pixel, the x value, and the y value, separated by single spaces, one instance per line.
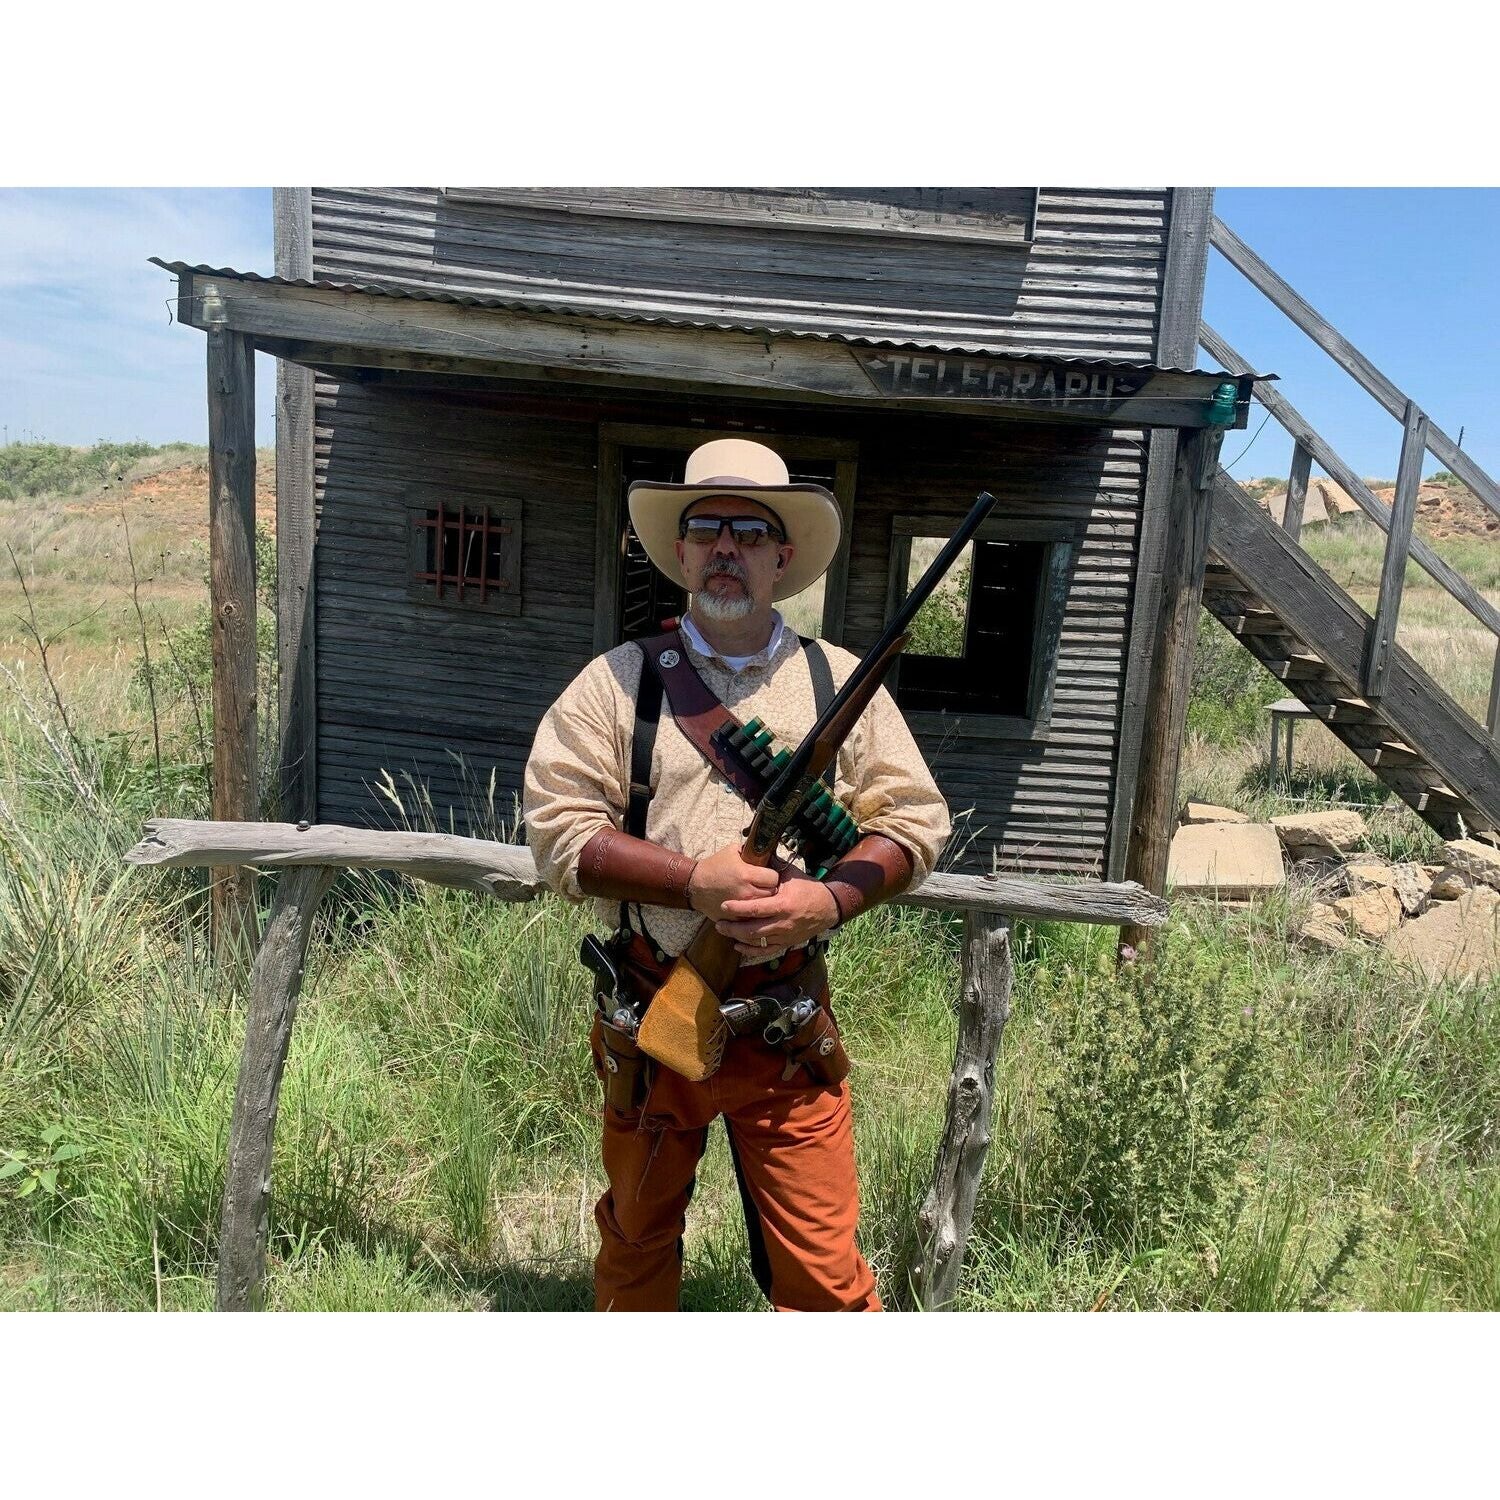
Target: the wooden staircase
pixel 1305 630
pixel 1344 664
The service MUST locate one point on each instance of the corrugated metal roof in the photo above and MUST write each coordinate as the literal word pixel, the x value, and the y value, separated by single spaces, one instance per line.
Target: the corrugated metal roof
pixel 617 312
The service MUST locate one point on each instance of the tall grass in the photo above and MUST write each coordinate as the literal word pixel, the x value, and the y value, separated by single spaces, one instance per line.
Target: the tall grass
pixel 1154 1145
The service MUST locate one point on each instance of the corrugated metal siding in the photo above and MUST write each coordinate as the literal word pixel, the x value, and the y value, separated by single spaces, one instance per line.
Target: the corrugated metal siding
pixel 1042 807
pixel 1089 284
pixel 452 696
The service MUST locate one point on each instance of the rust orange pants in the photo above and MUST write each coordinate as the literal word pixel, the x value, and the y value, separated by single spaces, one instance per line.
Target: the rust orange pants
pixel 793 1149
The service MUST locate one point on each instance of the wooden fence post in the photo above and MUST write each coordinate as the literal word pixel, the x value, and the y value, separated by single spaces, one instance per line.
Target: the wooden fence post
pixel 1186 552
pixel 231 554
pixel 275 983
pixel 947 1212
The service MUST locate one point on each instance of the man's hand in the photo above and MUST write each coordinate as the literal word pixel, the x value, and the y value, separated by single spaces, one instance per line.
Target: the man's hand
pixel 725 877
pixel 799 910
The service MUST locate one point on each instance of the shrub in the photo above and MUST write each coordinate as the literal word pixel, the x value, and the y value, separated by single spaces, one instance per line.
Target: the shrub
pixel 938 629
pixel 1230 689
pixel 1156 1097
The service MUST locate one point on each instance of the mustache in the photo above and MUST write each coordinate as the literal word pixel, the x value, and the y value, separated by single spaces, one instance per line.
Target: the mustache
pixel 726 566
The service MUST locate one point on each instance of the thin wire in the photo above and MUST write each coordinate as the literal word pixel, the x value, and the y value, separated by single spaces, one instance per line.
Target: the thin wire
pixel 1248 446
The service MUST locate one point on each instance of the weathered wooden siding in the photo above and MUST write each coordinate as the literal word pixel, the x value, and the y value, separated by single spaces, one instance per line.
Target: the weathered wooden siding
pixel 450 694
pixel 1035 806
pixel 407 685
pixel 1089 282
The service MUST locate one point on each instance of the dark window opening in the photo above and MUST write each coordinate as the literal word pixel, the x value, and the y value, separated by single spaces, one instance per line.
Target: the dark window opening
pixel 647 597
pixel 974 641
pixel 466 555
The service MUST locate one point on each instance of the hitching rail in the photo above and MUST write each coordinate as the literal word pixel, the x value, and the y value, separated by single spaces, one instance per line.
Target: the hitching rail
pixel 312 856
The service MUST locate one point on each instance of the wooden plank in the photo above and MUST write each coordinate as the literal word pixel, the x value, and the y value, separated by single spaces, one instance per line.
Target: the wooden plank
pixel 1155 813
pixel 508 871
pixel 332 327
pixel 1492 719
pixel 1296 491
pixel 836 579
pixel 1382 638
pixel 1183 276
pixel 1296 424
pixel 1349 359
pixel 1417 710
pixel 231 548
pixel 968 215
pixel 296 526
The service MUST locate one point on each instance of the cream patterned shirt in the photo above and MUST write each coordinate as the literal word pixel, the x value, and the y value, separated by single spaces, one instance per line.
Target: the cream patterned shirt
pixel 578 776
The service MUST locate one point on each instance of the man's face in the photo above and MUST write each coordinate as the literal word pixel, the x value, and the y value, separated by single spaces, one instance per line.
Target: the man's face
pixel 728 581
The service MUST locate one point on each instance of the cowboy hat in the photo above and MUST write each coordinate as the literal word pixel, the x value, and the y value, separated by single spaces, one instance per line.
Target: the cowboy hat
pixel 739 469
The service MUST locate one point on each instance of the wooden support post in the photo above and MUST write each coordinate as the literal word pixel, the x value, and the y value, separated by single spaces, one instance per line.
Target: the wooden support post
pixel 1186 552
pixel 275 983
pixel 947 1212
pixel 231 553
pixel 295 528
pixel 1381 640
pixel 1296 491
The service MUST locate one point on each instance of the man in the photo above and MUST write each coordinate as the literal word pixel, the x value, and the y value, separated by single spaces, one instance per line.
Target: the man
pixel 737 536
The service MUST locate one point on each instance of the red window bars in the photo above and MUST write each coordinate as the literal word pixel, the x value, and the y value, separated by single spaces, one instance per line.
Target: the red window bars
pixel 463 549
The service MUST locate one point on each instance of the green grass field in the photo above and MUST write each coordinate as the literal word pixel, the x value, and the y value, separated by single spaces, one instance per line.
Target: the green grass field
pixel 1252 1126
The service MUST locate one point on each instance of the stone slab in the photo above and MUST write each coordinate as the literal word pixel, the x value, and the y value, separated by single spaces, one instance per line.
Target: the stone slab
pixel 1337 831
pixel 1206 812
pixel 1323 928
pixel 1231 860
pixel 1457 941
pixel 1372 914
pixel 1480 862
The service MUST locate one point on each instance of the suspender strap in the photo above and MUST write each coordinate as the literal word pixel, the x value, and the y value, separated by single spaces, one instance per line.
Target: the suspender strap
pixel 642 743
pixel 822 684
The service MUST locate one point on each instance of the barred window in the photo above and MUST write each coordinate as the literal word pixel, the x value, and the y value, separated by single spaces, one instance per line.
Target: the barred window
pixel 466 555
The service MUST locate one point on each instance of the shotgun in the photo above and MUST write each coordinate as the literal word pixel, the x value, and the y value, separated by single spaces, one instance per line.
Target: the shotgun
pixel 682 1027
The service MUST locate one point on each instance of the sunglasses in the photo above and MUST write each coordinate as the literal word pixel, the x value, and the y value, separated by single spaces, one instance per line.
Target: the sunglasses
pixel 747 531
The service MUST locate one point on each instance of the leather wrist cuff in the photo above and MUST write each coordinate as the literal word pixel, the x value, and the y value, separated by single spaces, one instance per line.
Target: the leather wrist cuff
pixel 617 867
pixel 874 870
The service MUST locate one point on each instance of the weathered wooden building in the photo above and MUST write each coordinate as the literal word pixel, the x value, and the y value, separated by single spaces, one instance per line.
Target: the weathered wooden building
pixel 472 377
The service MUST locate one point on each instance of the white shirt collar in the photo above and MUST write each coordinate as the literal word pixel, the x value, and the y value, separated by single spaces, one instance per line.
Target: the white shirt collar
pixel 694 637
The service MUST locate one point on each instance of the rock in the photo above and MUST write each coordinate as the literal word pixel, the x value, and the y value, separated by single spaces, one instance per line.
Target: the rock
pixel 1206 812
pixel 1448 885
pixel 1318 834
pixel 1323 928
pixel 1230 860
pixel 1409 882
pixel 1457 940
pixel 1480 862
pixel 1372 914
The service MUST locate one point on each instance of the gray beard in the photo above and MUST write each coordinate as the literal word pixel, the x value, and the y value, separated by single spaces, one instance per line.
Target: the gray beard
pixel 712 607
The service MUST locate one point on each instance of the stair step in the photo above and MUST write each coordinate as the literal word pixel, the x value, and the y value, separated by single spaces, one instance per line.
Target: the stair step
pixel 1255 622
pixel 1300 665
pixel 1438 797
pixel 1393 753
pixel 1344 711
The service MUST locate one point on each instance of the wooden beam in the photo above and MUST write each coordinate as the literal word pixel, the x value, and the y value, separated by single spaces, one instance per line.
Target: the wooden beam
pixel 508 871
pixel 231 550
pixel 1155 813
pixel 329 327
pixel 1296 424
pixel 1382 637
pixel 1492 719
pixel 947 1212
pixel 275 984
pixel 296 667
pixel 1349 359
pixel 1296 491
pixel 1183 275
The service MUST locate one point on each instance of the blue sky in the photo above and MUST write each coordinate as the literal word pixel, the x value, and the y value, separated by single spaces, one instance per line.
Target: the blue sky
pixel 1410 276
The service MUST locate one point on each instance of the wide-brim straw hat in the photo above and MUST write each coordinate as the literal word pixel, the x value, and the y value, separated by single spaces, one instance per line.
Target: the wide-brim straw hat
pixel 741 469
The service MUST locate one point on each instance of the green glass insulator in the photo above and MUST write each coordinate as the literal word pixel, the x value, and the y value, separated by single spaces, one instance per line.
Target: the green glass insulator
pixel 1221 406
